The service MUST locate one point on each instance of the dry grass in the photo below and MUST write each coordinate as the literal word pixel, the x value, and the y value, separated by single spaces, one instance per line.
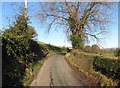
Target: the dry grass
pixel 31 73
pixel 84 62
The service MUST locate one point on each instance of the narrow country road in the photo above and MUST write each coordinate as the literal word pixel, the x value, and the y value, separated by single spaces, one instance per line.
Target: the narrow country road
pixel 56 72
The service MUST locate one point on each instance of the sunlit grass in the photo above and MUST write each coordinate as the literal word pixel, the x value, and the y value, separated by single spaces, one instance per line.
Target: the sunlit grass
pixel 84 62
pixel 31 73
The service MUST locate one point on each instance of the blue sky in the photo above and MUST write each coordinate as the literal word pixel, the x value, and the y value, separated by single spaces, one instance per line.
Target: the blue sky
pixel 57 37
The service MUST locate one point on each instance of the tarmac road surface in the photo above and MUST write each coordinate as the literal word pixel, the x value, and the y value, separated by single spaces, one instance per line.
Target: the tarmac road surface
pixel 56 72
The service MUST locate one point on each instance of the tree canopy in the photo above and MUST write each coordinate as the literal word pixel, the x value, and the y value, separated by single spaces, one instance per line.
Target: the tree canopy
pixel 81 20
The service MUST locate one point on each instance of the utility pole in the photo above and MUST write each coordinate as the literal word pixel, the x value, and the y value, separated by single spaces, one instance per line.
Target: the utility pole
pixel 26 8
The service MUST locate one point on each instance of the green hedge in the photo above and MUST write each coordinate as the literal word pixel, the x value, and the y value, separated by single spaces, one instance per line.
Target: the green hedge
pixel 87 64
pixel 109 67
pixel 13 70
pixel 20 52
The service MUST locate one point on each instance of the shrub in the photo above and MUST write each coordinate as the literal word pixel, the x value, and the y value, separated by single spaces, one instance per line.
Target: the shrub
pixel 87 48
pixel 109 67
pixel 85 63
pixel 117 52
pixel 17 51
pixel 95 49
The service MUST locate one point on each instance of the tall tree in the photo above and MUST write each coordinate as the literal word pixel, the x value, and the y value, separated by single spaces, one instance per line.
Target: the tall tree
pixel 81 19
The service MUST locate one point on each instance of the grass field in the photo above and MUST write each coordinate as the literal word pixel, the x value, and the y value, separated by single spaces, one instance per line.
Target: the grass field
pixel 109 55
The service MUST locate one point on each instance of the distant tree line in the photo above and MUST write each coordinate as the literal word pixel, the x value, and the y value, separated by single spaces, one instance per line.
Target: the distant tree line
pixel 93 49
pixel 96 49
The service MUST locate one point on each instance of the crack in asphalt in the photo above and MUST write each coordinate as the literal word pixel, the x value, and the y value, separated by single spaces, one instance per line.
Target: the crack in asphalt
pixel 51 80
pixel 56 72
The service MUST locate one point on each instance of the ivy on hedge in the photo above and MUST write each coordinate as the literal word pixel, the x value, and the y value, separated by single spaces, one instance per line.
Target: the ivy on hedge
pixel 109 67
pixel 18 51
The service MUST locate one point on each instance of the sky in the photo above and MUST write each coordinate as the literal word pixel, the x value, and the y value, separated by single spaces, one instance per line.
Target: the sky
pixel 56 37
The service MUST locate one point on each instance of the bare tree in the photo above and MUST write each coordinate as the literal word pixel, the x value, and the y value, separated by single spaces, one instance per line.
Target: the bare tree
pixel 81 19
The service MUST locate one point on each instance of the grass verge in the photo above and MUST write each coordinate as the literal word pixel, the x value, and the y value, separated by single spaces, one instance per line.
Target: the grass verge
pixel 32 71
pixel 84 63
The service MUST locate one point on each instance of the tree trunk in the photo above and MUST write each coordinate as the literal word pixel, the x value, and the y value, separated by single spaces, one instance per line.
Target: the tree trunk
pixel 76 36
pixel 77 41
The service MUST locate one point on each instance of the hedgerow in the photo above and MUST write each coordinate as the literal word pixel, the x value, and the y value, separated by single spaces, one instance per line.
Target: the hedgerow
pixel 109 67
pixel 85 63
pixel 19 50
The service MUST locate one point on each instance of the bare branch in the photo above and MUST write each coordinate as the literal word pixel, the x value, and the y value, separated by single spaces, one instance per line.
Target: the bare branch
pixel 93 35
pixel 68 8
pixel 84 19
pixel 57 16
pixel 50 25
